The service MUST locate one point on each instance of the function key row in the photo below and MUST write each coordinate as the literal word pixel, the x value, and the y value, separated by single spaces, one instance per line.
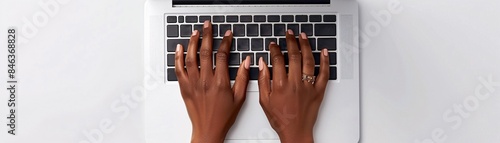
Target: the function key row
pixel 251 18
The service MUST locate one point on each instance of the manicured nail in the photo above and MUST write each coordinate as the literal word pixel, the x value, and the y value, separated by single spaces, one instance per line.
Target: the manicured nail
pixel 325 52
pixel 228 33
pixel 261 64
pixel 207 23
pixel 290 31
pixel 178 48
pixel 272 43
pixel 303 35
pixel 247 62
pixel 195 32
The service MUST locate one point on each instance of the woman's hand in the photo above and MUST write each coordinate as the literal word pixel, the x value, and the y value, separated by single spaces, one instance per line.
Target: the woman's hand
pixel 211 103
pixel 292 103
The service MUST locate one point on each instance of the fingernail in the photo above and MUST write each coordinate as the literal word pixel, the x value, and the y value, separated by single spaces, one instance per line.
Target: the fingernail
pixel 290 31
pixel 178 48
pixel 195 32
pixel 206 24
pixel 228 33
pixel 261 64
pixel 325 52
pixel 247 62
pixel 303 35
pixel 272 43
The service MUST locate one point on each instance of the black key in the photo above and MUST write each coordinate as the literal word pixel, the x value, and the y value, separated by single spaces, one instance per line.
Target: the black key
pixel 328 43
pixel 223 28
pixel 264 57
pixel 243 44
pixel 172 44
pixel 254 73
pixel 315 18
pixel 266 30
pixel 279 30
pixel 171 76
pixel 215 30
pixel 219 19
pixel 234 59
pixel 171 19
pixel 333 73
pixel 239 30
pixel 325 30
pixel 205 18
pixel 172 30
pixel 246 18
pixel 244 55
pixel 282 43
pixel 186 30
pixel 287 18
pixel 191 19
pixel 259 18
pixel 329 18
pixel 286 59
pixel 232 18
pixel 171 60
pixel 317 58
pixel 312 42
pixel 252 30
pixel 273 18
pixel 301 18
pixel 216 44
pixel 307 28
pixel 333 58
pixel 294 27
pixel 199 27
pixel 269 40
pixel 233 45
pixel 257 44
pixel 232 73
pixel 180 19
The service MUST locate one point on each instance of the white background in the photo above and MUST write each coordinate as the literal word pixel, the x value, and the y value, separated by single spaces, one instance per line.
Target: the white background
pixel 420 64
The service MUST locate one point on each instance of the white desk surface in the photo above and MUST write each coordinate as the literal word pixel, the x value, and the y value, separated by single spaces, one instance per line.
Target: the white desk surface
pixel 428 59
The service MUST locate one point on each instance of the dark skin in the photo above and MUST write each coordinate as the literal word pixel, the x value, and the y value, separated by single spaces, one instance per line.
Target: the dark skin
pixel 290 104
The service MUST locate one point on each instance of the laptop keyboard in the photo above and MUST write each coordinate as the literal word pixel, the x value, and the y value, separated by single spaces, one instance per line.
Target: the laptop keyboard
pixel 251 37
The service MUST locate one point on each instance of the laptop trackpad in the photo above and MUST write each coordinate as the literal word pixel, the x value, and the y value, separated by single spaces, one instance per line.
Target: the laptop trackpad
pixel 252 123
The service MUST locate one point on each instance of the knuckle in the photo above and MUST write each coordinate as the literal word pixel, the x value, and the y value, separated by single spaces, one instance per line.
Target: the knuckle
pixel 190 61
pixel 309 63
pixel 294 57
pixel 205 55
pixel 276 58
pixel 221 56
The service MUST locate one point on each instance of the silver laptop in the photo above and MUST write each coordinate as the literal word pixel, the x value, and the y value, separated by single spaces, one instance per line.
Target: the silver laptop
pixel 331 24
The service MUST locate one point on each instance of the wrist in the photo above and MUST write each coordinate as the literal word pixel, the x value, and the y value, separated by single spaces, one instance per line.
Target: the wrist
pixel 297 138
pixel 207 137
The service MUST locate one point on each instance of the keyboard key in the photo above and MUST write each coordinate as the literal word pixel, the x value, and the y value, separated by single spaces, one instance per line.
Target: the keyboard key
pixel 329 18
pixel 325 30
pixel 205 18
pixel 216 44
pixel 243 44
pixel 307 28
pixel 171 76
pixel 186 30
pixel 257 44
pixel 312 42
pixel 246 18
pixel 286 60
pixel 273 18
pixel 279 30
pixel 219 19
pixel 266 30
pixel 199 27
pixel 172 44
pixel 328 43
pixel 234 59
pixel 239 30
pixel 171 60
pixel 294 27
pixel 215 30
pixel 333 58
pixel 333 73
pixel 301 18
pixel 254 73
pixel 223 28
pixel 317 58
pixel 191 19
pixel 269 40
pixel 232 18
pixel 287 18
pixel 232 73
pixel 315 18
pixel 172 30
pixel 282 43
pixel 233 45
pixel 252 30
pixel 180 19
pixel 244 55
pixel 259 18
pixel 264 57
pixel 171 19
